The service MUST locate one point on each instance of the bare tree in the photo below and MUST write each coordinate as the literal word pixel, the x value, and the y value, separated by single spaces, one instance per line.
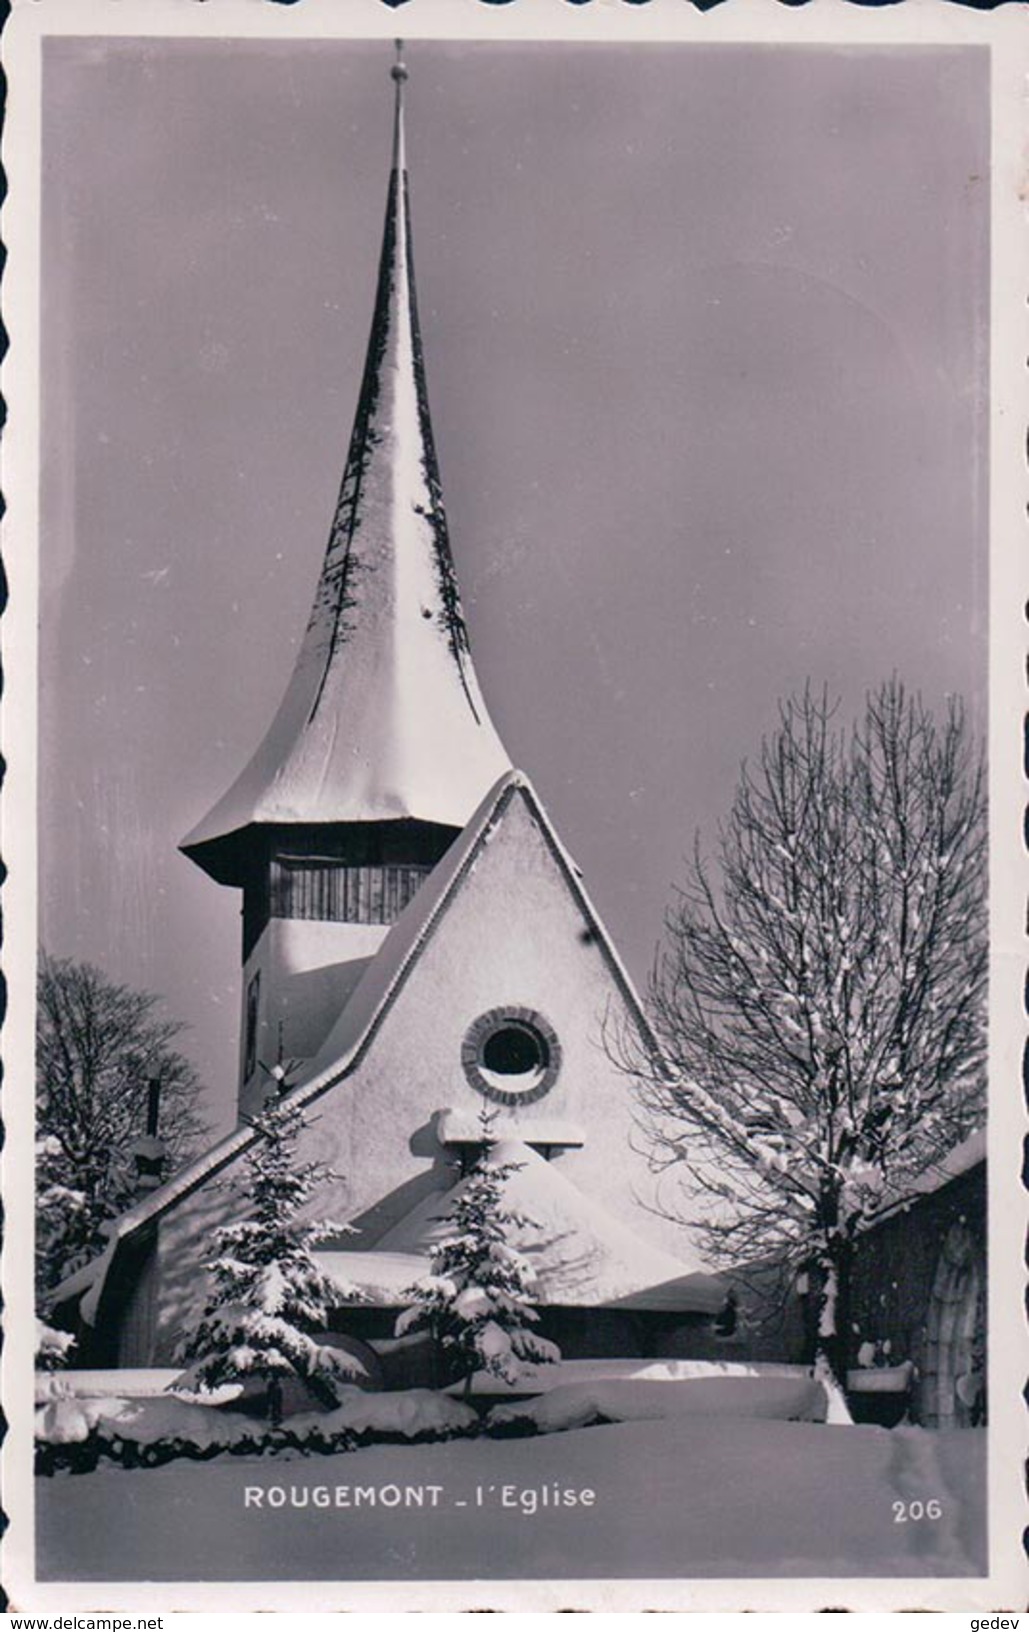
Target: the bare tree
pixel 99 1047
pixel 821 1012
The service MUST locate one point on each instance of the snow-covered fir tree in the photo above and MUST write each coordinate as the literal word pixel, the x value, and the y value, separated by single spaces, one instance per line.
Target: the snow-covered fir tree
pixel 477 1301
pixel 270 1298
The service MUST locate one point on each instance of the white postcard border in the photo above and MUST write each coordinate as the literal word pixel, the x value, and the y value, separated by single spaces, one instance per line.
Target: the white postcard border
pixel 822 22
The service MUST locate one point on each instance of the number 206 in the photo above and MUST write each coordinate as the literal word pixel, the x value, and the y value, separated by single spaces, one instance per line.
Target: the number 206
pixel 903 1511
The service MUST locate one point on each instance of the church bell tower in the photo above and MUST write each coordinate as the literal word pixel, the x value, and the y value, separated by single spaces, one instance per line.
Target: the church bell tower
pixel 382 747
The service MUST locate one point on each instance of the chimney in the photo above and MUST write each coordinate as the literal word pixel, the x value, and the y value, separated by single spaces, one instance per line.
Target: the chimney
pixel 153 1106
pixel 148 1152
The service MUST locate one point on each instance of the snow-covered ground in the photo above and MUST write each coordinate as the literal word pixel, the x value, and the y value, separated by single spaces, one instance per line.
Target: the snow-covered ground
pixel 690 1497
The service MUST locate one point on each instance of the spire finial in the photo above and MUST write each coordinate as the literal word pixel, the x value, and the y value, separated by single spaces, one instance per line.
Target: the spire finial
pixel 398 74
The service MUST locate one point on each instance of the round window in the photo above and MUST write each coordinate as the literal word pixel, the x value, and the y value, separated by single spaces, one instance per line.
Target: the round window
pixel 511 1055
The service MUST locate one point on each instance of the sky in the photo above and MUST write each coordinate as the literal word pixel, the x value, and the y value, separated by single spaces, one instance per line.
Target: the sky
pixel 706 338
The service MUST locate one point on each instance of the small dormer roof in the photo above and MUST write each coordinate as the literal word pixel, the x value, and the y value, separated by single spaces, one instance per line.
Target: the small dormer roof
pixel 582 1254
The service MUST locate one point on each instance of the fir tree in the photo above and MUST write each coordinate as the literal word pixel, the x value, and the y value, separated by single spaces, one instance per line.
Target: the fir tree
pixel 270 1298
pixel 477 1300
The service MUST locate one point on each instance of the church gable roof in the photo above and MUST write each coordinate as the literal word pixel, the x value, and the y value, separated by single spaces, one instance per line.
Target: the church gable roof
pixel 425 917
pixel 377 991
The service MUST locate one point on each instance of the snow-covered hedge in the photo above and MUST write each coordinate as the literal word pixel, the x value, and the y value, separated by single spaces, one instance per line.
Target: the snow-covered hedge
pixel 78 1434
pixel 541 1379
pixel 578 1405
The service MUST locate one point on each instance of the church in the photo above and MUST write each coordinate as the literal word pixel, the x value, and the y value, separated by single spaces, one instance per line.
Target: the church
pixel 417 945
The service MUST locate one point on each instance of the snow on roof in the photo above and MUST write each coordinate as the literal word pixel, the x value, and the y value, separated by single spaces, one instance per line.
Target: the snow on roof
pixel 376 1277
pixel 383 718
pixel 377 990
pixel 582 1255
pixel 463 1127
pixel 961 1159
pixel 85 1283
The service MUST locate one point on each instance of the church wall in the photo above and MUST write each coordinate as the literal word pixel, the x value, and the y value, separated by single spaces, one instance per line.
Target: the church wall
pixel 900 1269
pixel 185 1239
pixel 137 1325
pixel 306 970
pixel 513 934
pixel 896 1262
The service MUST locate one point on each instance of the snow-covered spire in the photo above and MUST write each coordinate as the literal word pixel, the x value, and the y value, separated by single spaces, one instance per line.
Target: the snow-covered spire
pixel 398 74
pixel 382 719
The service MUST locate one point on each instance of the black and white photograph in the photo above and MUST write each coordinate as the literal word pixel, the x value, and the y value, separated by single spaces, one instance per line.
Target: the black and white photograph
pixel 513 974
